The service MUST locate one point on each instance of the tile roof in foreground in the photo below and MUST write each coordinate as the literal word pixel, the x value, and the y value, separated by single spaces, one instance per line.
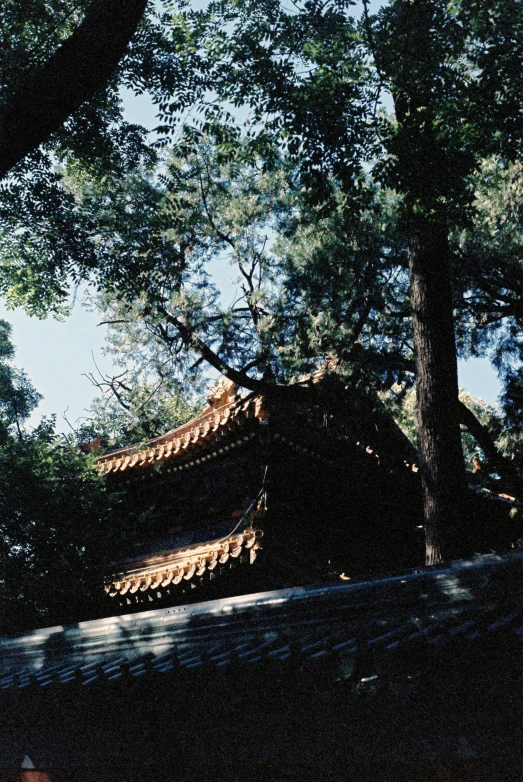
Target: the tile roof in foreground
pixel 377 621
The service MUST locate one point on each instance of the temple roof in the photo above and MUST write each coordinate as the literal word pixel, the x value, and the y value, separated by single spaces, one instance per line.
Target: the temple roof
pixel 224 413
pixel 149 574
pixel 227 415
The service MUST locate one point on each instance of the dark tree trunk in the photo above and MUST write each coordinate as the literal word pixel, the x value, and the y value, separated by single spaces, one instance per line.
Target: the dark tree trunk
pixel 79 67
pixel 442 465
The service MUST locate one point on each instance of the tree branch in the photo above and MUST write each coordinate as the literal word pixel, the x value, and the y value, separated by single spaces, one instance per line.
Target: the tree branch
pixel 240 377
pixel 79 68
pixel 497 462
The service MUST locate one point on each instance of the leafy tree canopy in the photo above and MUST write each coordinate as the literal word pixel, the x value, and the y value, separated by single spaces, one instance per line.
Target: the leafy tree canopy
pixel 131 410
pixel 314 80
pixel 55 514
pixel 39 63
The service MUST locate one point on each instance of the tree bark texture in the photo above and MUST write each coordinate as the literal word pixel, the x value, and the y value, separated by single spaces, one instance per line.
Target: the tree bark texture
pixel 79 67
pixel 437 419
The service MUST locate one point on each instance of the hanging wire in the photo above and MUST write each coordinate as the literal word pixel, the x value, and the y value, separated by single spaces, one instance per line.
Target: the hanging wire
pixel 250 507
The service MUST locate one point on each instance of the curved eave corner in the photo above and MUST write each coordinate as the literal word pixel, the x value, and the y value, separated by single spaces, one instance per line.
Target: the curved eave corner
pixel 210 424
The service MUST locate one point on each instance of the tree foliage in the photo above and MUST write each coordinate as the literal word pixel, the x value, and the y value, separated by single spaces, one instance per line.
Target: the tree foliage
pixel 131 410
pixel 230 254
pixel 364 170
pixel 63 69
pixel 55 513
pixel 453 73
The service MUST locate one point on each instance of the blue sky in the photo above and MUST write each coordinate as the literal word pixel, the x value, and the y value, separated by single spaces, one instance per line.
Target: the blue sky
pixel 55 356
